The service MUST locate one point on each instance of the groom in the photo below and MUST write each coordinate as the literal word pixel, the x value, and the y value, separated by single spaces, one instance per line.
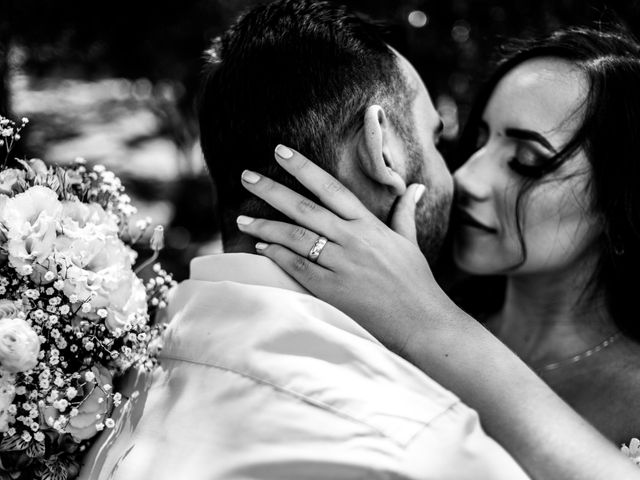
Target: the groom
pixel 258 379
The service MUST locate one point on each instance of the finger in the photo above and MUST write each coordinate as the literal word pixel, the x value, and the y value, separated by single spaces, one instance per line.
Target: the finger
pixel 302 270
pixel 297 239
pixel 335 196
pixel 403 220
pixel 298 208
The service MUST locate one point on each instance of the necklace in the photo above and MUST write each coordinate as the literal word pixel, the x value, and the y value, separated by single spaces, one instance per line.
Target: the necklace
pixel 580 356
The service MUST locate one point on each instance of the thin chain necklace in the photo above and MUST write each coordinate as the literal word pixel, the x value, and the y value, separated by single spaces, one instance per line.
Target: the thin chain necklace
pixel 580 356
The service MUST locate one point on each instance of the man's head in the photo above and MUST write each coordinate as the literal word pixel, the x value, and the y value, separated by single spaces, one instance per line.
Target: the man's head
pixel 314 76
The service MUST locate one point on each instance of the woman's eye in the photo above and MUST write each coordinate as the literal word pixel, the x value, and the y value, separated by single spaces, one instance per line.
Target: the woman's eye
pixel 529 163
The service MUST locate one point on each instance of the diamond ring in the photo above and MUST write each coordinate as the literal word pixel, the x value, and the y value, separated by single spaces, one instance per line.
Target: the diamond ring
pixel 316 250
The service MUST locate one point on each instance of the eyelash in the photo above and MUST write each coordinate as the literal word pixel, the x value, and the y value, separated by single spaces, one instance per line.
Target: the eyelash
pixel 535 169
pixel 529 171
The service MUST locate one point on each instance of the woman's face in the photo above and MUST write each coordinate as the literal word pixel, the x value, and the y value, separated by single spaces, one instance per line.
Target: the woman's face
pixel 533 112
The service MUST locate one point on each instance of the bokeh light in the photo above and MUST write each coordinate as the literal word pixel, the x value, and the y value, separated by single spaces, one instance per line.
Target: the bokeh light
pixel 418 19
pixel 460 31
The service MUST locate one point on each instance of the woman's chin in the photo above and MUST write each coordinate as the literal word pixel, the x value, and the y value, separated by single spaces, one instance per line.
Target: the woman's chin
pixel 473 261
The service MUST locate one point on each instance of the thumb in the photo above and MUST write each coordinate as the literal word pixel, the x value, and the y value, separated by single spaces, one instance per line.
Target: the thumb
pixel 403 220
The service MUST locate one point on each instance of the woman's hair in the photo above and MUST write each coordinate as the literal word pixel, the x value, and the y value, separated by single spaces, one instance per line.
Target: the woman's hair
pixel 610 137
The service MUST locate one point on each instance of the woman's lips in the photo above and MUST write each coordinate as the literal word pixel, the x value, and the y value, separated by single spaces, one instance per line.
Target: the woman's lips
pixel 464 218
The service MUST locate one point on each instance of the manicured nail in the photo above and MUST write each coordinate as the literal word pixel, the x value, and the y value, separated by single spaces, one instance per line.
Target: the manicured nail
pixel 419 192
pixel 250 177
pixel 284 152
pixel 244 220
pixel 261 246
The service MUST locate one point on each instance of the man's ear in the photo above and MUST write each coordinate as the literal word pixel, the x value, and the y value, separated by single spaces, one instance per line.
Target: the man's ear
pixel 378 158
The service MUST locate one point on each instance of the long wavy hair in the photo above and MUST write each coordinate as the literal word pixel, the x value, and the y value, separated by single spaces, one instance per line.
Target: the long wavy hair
pixel 610 137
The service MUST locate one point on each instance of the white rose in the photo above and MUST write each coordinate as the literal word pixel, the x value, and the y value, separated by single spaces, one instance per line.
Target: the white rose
pixel 19 345
pixel 9 308
pixel 101 270
pixel 82 220
pixel 125 301
pixel 85 261
pixel 9 178
pixel 30 221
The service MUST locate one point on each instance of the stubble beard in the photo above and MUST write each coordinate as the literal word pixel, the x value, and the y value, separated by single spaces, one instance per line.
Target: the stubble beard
pixel 432 222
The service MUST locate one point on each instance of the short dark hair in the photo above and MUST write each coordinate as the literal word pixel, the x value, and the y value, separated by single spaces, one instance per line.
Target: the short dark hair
pixel 610 136
pixel 298 72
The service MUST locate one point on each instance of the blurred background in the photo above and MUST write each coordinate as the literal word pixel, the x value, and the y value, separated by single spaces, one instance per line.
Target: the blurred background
pixel 115 83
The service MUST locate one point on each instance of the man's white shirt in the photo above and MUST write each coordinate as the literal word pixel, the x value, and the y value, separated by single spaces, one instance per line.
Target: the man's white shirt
pixel 260 380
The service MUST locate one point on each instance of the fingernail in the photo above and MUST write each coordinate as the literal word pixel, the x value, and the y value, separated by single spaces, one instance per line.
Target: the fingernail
pixel 250 177
pixel 419 192
pixel 261 246
pixel 244 220
pixel 284 152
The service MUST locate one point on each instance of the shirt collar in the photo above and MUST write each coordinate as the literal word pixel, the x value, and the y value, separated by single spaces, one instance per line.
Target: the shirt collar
pixel 243 268
pixel 251 269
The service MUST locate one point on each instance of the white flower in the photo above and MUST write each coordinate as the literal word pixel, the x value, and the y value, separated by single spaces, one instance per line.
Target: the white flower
pixel 9 309
pixel 633 450
pixel 95 406
pixel 82 220
pixel 25 270
pixel 7 394
pixel 32 293
pixel 30 220
pixel 9 179
pixel 19 345
pixel 157 239
pixel 101 269
pixel 126 300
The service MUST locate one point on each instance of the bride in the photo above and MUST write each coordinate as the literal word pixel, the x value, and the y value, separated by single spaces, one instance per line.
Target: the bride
pixel 549 201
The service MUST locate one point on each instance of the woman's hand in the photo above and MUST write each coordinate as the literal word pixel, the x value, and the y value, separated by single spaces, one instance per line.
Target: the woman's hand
pixel 366 269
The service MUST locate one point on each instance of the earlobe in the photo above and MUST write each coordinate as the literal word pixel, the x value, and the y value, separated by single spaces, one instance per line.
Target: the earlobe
pixel 376 153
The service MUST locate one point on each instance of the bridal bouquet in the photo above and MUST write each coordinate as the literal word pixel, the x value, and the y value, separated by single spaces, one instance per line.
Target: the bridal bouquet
pixel 73 312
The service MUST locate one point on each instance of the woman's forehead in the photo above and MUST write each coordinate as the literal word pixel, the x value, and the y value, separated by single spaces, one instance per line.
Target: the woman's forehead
pixel 543 94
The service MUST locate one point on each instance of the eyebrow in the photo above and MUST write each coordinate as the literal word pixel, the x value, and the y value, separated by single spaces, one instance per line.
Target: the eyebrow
pixel 529 135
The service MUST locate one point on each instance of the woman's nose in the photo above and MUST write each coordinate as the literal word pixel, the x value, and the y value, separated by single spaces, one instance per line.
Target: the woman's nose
pixel 470 179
